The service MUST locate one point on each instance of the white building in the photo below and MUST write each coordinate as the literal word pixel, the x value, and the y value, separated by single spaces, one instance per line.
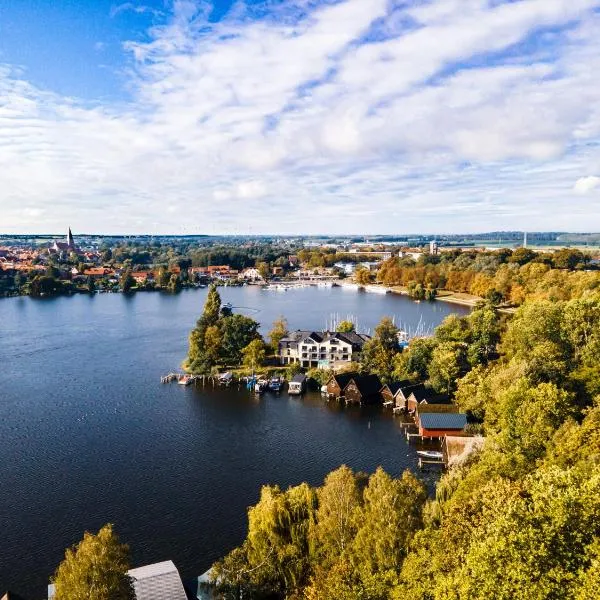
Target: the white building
pixel 323 349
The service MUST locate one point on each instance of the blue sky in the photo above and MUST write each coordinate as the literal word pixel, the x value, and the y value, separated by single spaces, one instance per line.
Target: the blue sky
pixel 299 116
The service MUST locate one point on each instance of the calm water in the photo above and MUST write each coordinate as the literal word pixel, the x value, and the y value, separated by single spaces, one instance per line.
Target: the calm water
pixel 88 435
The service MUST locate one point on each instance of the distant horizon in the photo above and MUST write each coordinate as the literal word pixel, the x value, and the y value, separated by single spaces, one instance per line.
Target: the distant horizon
pixel 305 235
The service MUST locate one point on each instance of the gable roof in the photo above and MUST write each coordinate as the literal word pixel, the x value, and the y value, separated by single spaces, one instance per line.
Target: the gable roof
pixel 12 596
pixel 456 421
pixel 343 379
pixel 446 407
pixel 368 385
pixel 396 386
pixel 159 581
pixel 424 393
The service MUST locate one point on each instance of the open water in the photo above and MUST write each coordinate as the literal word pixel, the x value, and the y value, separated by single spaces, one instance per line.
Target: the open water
pixel 88 435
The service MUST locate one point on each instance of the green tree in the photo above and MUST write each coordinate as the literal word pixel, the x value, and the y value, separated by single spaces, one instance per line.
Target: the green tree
pixel 91 285
pixel 336 525
pixel 388 519
pixel 379 352
pixel 162 277
pixel 174 283
pixel 95 569
pixel 237 331
pixel 419 356
pixel 345 327
pixel 197 361
pixel 279 331
pixel 447 362
pixel 126 281
pixel 254 354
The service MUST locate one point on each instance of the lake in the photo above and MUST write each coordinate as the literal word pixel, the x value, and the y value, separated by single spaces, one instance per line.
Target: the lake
pixel 88 435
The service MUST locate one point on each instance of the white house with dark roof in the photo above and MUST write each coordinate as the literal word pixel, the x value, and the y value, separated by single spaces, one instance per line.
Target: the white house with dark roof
pixel 324 349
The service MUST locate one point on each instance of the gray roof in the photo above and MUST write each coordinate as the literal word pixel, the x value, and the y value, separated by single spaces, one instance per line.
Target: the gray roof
pixel 443 420
pixel 159 581
pixel 356 339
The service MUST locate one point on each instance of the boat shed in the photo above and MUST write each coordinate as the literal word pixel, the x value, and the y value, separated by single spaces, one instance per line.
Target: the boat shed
pixel 363 389
pixel 12 596
pixel 392 392
pixel 337 383
pixel 439 425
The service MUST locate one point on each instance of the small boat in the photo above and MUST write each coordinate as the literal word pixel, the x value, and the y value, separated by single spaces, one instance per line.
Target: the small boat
pixel 185 380
pixel 432 454
pixel 275 384
pixel 297 385
pixel 225 378
pixel 260 387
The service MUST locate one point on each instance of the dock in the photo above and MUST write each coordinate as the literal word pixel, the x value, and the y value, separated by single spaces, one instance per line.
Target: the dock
pixel 425 463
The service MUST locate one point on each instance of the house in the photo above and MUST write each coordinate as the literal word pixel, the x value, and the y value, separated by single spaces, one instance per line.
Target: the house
pixel 363 389
pixel 97 272
pixel 277 271
pixel 159 581
pixel 142 276
pixel 438 425
pixel 337 383
pixel 412 395
pixel 323 349
pixel 392 392
pixel 251 274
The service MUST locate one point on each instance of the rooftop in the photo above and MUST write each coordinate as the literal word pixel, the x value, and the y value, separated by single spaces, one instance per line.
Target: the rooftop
pixel 456 421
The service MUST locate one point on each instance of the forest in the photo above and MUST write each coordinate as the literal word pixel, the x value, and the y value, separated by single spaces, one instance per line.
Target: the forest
pixel 518 519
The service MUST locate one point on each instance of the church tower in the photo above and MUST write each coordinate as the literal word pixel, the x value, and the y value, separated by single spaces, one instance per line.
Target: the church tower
pixel 70 240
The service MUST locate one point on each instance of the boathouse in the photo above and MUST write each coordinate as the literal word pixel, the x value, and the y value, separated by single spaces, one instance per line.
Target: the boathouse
pixel 439 425
pixel 430 407
pixel 337 383
pixel 391 393
pixel 363 389
pixel 411 396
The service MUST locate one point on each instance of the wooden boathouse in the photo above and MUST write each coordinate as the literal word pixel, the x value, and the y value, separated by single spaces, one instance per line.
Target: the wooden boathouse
pixel 363 389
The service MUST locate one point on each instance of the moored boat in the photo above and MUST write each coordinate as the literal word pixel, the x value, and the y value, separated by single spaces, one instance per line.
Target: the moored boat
pixel 275 384
pixel 432 454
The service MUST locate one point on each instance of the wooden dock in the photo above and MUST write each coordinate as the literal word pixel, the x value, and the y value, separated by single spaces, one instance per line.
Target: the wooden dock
pixel 425 463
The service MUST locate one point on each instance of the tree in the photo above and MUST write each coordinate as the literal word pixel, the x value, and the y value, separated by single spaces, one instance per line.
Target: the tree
pixel 197 361
pixel 95 569
pixel 389 517
pixel 174 283
pixel 91 285
pixel 419 357
pixel 162 277
pixel 263 269
pixel 254 354
pixel 126 281
pixel 379 352
pixel 237 331
pixel 212 345
pixel 335 527
pixel 522 256
pixel 279 331
pixel 447 361
pixel 362 275
pixel 345 327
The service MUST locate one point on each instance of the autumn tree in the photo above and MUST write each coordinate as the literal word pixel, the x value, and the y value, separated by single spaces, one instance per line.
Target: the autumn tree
pixel 95 569
pixel 254 354
pixel 278 332
pixel 345 326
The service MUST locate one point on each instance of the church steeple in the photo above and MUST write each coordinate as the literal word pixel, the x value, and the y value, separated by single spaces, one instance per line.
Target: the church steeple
pixel 70 240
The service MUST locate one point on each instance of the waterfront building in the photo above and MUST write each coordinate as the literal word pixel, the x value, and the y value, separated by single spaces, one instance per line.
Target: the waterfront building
pixel 323 349
pixel 337 383
pixel 364 389
pixel 439 425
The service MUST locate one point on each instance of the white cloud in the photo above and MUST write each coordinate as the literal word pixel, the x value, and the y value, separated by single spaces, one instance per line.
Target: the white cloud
pixel 584 185
pixel 311 124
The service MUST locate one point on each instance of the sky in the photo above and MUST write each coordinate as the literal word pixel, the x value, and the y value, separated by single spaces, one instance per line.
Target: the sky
pixel 299 116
